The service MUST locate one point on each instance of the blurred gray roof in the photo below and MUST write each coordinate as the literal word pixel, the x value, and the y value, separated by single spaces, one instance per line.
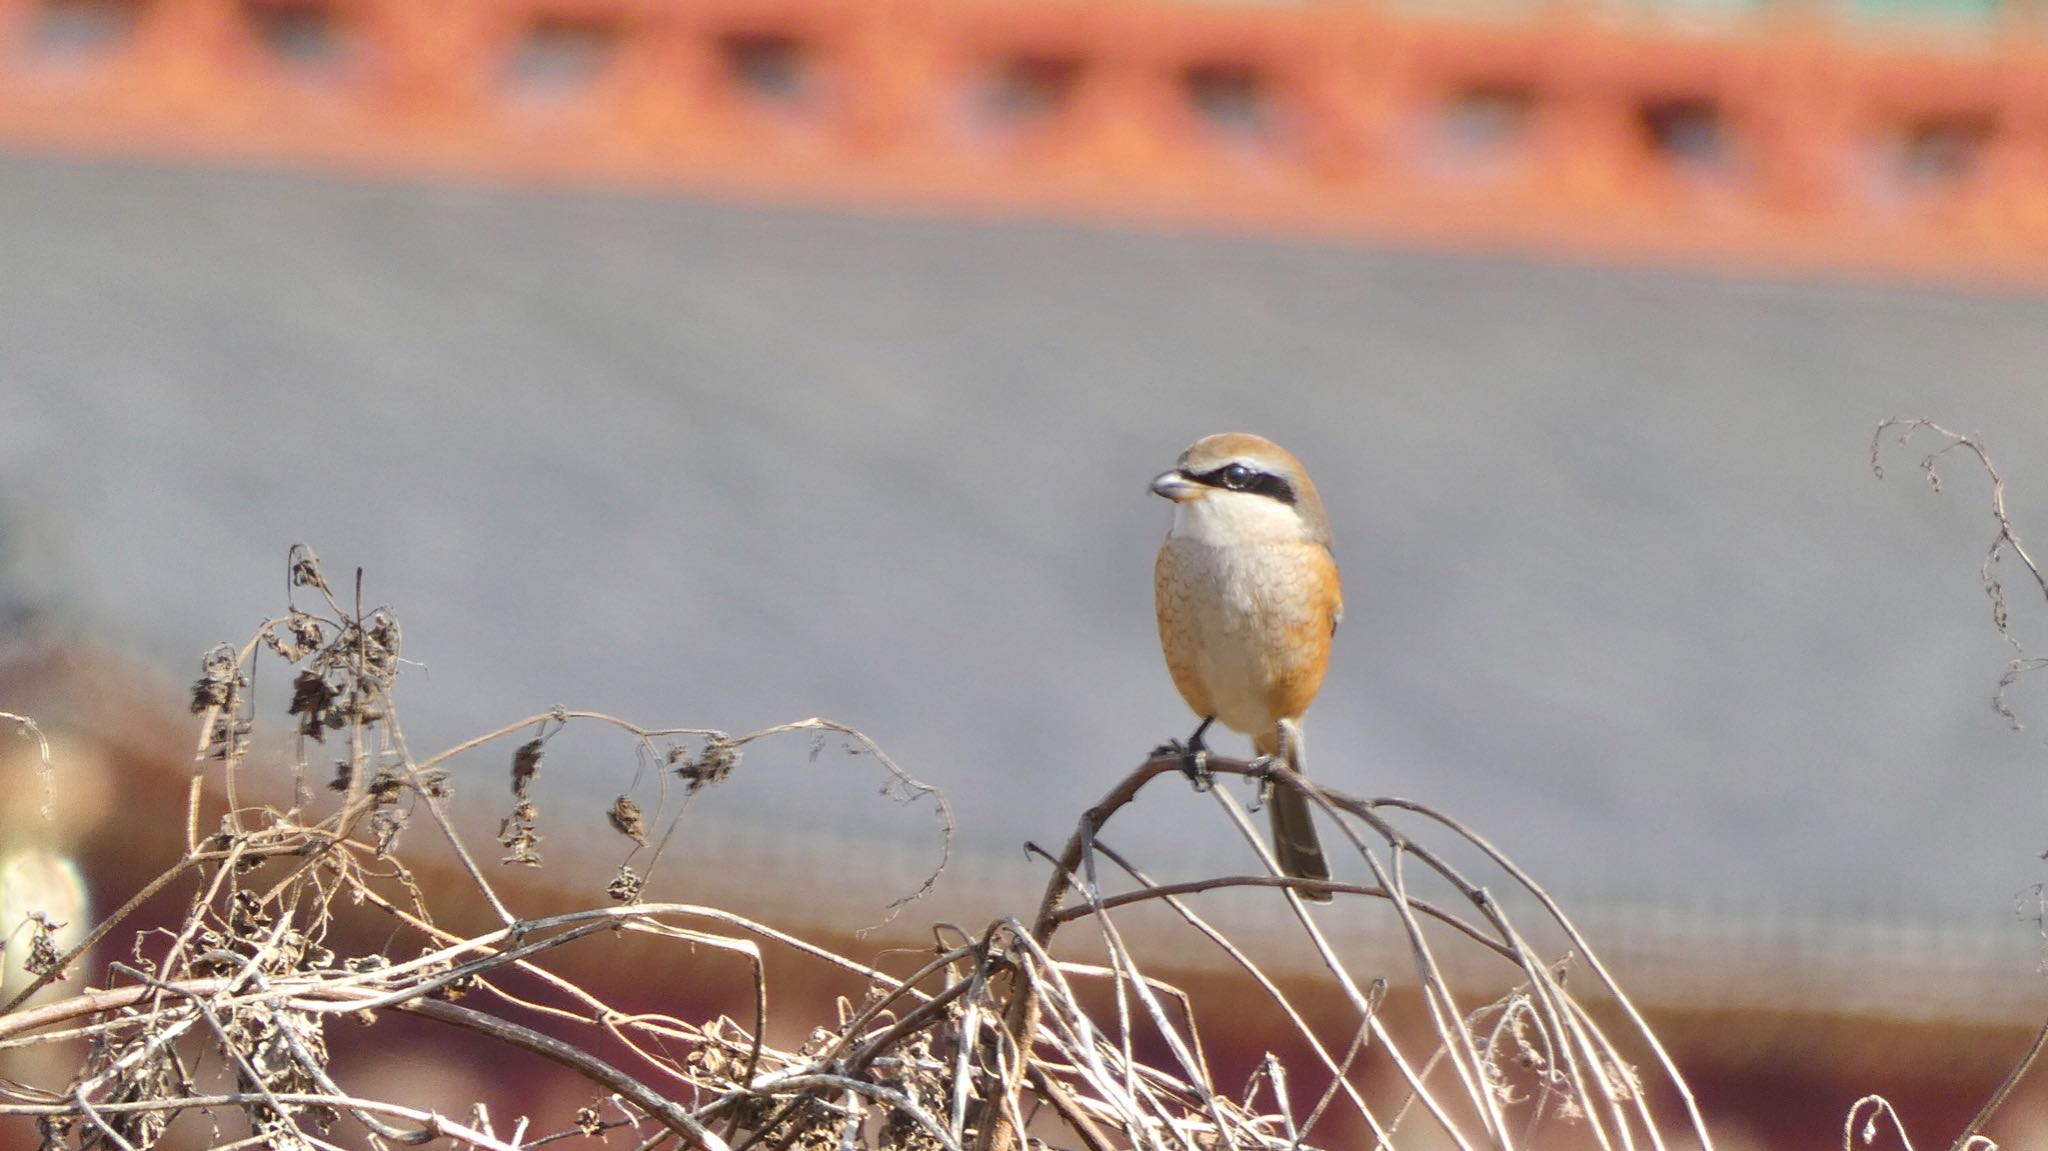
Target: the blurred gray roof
pixel 1622 590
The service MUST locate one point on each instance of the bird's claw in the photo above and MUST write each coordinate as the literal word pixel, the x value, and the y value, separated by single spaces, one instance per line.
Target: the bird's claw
pixel 1260 772
pixel 1194 761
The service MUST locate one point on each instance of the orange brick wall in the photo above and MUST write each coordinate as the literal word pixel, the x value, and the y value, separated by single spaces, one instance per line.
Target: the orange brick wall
pixel 1779 140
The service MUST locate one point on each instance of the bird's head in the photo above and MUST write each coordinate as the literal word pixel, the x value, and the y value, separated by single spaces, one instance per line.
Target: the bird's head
pixel 1242 485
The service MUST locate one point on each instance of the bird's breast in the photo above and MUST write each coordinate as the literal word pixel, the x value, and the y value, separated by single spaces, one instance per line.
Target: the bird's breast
pixel 1246 626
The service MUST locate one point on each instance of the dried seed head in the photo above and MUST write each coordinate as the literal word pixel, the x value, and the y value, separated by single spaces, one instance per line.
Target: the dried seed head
pixel 626 820
pixel 626 886
pixel 305 567
pixel 247 915
pixel 220 681
pixel 525 765
pixel 313 702
pixel 517 835
pixel 43 955
pixel 717 761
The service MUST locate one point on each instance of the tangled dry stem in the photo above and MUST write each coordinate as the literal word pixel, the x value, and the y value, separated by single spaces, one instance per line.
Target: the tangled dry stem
pixel 1863 1122
pixel 228 1015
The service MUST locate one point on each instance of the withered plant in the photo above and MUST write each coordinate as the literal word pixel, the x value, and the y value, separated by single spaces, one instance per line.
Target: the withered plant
pixel 1872 1120
pixel 1042 1029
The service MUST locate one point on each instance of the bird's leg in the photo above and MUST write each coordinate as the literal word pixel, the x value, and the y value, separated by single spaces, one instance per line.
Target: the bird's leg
pixel 1260 770
pixel 1193 755
pixel 1194 758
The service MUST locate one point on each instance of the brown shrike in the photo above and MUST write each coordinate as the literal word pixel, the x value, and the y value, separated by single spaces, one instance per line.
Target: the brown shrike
pixel 1248 600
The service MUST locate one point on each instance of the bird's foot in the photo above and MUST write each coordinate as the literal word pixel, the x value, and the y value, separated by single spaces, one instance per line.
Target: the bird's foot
pixel 1194 760
pixel 1193 755
pixel 1260 772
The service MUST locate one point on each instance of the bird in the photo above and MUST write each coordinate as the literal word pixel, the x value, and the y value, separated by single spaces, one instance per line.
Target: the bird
pixel 1249 598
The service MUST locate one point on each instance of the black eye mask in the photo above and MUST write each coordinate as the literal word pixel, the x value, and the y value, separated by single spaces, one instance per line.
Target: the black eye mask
pixel 1240 478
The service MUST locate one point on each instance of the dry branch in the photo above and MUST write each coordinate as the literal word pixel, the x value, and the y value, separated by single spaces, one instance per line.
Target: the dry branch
pixel 232 1013
pixel 2005 541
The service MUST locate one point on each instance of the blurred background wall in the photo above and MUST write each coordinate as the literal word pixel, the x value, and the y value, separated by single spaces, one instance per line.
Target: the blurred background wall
pixel 719 365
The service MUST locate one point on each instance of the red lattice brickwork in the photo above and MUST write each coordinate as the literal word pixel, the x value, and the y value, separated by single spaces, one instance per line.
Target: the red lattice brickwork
pixel 1776 140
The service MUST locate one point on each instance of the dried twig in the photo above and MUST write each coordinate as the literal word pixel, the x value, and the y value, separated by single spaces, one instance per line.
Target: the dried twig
pixel 2005 542
pixel 230 1011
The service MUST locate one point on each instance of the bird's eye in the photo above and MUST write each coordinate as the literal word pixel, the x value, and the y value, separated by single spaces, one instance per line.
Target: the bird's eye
pixel 1237 477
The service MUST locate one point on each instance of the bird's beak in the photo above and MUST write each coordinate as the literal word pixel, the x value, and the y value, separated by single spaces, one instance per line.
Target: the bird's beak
pixel 1176 487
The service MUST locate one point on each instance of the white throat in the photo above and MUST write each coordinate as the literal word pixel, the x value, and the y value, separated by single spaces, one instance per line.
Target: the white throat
pixel 1228 519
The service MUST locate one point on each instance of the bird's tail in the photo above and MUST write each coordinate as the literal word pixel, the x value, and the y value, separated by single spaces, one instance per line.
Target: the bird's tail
pixel 1295 843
